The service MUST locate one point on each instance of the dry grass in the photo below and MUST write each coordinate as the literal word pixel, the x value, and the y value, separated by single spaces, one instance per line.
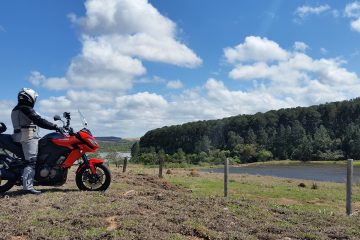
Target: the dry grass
pixel 141 206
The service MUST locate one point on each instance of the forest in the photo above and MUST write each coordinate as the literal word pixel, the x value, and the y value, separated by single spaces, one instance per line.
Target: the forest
pixel 328 131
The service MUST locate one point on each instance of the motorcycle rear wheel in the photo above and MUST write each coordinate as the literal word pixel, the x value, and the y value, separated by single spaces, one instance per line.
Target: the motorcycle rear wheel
pixel 5 185
pixel 86 181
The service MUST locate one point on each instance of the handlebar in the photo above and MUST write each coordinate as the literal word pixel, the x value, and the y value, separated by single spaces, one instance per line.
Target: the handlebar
pixel 62 131
pixel 66 129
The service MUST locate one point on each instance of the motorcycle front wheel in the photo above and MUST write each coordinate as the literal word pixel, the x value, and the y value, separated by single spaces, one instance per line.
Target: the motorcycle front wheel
pixel 100 181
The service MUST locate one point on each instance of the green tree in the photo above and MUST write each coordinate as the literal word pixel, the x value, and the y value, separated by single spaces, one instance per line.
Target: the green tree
pixel 304 150
pixel 135 149
pixel 262 138
pixel 179 156
pixel 297 134
pixel 332 128
pixel 251 137
pixel 322 140
pixel 219 156
pixel 280 143
pixel 264 155
pixel 246 152
pixel 234 139
pixel 203 145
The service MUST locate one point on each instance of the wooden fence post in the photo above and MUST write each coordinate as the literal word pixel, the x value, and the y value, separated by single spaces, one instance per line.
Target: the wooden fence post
pixel 349 177
pixel 161 164
pixel 125 164
pixel 226 177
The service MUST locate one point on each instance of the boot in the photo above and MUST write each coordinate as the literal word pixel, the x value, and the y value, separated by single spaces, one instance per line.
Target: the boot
pixel 33 191
pixel 28 180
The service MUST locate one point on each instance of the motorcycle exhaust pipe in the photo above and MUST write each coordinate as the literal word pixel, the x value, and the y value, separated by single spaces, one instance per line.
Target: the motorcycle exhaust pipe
pixel 7 175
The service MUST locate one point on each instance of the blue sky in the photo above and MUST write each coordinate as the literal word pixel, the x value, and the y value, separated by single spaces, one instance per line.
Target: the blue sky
pixel 134 65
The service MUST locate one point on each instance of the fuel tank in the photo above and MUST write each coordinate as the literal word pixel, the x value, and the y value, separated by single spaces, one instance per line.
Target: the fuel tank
pixel 49 153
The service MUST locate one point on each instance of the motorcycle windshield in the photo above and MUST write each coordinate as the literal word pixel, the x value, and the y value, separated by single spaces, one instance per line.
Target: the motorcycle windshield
pixel 83 120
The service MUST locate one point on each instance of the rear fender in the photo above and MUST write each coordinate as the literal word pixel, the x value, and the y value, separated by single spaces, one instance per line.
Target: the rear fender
pixel 92 163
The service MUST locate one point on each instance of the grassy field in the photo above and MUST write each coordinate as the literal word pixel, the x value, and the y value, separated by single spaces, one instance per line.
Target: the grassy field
pixel 186 204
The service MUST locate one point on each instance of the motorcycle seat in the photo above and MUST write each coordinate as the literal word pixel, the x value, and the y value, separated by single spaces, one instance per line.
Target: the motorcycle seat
pixel 7 143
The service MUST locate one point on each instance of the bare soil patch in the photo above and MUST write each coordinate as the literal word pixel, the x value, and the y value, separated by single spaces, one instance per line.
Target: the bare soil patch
pixel 112 223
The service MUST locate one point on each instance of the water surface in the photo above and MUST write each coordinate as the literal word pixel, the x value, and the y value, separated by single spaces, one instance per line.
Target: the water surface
pixel 316 172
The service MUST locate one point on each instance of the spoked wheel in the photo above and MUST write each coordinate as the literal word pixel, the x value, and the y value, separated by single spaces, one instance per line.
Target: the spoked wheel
pixel 5 185
pixel 100 181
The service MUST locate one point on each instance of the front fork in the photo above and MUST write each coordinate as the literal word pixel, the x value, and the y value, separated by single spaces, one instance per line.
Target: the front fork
pixel 87 164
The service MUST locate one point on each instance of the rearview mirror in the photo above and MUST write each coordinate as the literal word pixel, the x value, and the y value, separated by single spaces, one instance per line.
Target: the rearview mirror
pixel 57 118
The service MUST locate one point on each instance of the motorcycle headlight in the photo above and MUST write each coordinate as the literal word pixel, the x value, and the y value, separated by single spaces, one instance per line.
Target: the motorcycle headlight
pixel 93 142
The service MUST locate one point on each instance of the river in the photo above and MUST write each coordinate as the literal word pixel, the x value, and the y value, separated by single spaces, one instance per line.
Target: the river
pixel 308 171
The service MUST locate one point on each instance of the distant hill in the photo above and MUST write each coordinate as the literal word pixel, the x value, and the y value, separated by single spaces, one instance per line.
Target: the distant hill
pixel 326 131
pixel 115 144
pixel 109 139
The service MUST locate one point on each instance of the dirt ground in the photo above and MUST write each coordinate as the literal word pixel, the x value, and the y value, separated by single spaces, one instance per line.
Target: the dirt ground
pixel 142 206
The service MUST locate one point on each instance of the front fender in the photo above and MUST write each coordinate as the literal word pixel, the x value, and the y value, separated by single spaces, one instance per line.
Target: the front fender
pixel 92 163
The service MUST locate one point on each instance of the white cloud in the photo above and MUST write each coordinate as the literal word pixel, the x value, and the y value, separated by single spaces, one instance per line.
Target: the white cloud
pixel 143 105
pixel 323 51
pixel 240 101
pixel 305 10
pixel 126 17
pixel 56 83
pixel 277 82
pixel 5 112
pixel 298 81
pixel 98 97
pixel 355 25
pixel 36 78
pixel 299 78
pixel 152 80
pixel 300 46
pixel 157 49
pixel 176 84
pixel 255 49
pixel 352 11
pixel 107 114
pixel 116 36
pixel 141 100
pixel 54 104
pixel 258 70
pixel 2 29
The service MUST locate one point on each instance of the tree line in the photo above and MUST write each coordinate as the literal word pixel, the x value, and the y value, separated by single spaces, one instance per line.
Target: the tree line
pixel 328 131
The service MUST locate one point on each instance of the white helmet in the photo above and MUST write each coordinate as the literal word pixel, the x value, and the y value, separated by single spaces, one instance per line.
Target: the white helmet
pixel 27 96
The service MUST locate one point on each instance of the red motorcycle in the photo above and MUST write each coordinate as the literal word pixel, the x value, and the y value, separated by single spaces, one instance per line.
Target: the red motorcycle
pixel 58 151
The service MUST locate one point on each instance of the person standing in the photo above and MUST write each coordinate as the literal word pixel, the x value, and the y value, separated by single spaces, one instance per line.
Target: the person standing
pixel 26 123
